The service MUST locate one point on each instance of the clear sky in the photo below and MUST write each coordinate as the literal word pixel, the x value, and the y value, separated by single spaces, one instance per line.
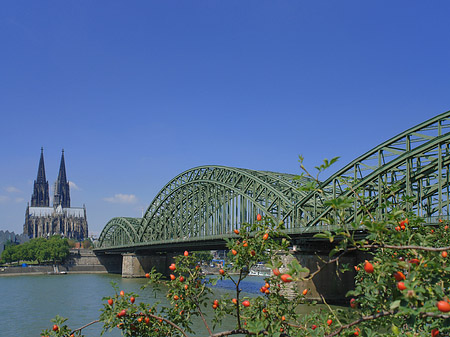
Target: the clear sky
pixel 137 92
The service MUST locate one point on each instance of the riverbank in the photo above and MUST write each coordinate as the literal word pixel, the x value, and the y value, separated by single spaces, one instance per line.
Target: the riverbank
pixel 80 261
pixel 51 270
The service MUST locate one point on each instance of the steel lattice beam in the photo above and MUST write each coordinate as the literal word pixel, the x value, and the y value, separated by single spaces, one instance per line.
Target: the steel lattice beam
pixel 206 203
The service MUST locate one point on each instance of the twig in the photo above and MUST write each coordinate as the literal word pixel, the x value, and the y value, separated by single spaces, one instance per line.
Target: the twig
pixel 234 332
pixel 360 200
pixel 85 326
pixel 319 268
pixel 428 249
pixel 331 310
pixel 432 314
pixel 238 314
pixel 202 316
pixel 362 319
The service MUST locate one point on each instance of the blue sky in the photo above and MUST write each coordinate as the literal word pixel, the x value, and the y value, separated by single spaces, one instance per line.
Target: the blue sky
pixel 137 92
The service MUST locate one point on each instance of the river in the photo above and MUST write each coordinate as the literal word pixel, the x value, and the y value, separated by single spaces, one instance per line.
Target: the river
pixel 29 302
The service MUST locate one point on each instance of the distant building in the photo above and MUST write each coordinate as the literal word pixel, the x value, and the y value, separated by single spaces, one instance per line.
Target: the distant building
pixel 41 220
pixel 6 237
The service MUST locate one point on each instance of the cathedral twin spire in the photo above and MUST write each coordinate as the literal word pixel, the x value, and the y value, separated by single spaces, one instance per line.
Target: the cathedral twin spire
pixel 40 197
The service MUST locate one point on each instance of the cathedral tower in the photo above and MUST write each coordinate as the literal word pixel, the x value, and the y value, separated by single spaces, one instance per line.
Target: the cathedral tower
pixel 61 219
pixel 62 194
pixel 40 196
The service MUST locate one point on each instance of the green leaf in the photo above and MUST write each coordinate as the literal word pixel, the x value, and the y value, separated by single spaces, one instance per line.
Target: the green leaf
pixel 395 304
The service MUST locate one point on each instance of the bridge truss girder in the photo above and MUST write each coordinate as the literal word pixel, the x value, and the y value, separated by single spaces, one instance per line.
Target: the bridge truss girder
pixel 415 160
pixel 214 200
pixel 208 202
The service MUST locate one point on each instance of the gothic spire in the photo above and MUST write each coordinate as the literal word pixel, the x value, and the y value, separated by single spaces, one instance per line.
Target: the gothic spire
pixel 41 168
pixel 62 193
pixel 40 197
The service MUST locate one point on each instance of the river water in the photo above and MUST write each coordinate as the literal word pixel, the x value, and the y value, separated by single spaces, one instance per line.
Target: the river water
pixel 29 302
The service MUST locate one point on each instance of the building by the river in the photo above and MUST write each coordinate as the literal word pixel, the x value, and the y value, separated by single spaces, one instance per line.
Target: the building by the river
pixel 43 220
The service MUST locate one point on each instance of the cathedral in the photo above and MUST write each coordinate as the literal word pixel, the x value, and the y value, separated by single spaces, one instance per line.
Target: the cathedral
pixel 41 220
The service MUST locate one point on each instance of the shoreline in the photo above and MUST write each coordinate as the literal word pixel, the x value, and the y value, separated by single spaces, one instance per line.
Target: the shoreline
pixel 51 270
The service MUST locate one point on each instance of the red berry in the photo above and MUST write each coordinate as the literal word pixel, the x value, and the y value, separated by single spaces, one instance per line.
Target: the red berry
pixel 147 275
pixel 314 327
pixel 265 236
pixel 234 252
pixel 55 327
pixel 110 301
pixel 353 303
pixel 443 306
pixel 329 322
pixel 236 231
pixel 172 277
pixel 122 293
pixel 186 253
pixel 258 217
pixel 276 272
pixel 434 332
pixel 304 292
pixel 286 278
pixel 414 261
pixel 246 303
pixel 132 299
pixel 398 275
pixel 221 272
pixel 401 286
pixel 181 279
pixel 368 267
pixel 172 267
pixel 444 254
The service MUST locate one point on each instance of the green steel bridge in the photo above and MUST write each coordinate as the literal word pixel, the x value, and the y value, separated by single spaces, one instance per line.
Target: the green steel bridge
pixel 203 205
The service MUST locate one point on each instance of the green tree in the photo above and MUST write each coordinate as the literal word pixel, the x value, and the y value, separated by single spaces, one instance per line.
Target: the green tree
pixel 204 255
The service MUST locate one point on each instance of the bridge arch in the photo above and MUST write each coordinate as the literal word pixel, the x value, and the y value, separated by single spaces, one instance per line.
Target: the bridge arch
pixel 214 200
pixel 120 231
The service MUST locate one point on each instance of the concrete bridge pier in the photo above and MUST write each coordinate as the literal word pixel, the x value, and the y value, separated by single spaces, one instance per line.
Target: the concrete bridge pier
pixel 329 283
pixel 136 265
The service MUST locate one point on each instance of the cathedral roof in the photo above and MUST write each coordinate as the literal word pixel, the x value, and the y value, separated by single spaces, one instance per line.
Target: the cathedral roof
pixel 77 212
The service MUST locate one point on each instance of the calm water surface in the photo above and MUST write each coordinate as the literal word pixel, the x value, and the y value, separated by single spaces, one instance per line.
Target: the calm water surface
pixel 28 303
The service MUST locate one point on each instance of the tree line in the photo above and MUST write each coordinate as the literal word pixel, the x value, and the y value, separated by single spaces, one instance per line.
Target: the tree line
pixel 55 249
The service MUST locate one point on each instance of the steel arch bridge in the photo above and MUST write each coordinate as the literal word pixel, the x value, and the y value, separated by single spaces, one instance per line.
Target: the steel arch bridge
pixel 206 203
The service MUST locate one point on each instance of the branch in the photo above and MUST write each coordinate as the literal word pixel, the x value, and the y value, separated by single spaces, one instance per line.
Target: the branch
pixel 85 326
pixel 362 319
pixel 238 314
pixel 360 200
pixel 331 310
pixel 319 268
pixel 202 316
pixel 233 332
pixel 432 314
pixel 428 249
